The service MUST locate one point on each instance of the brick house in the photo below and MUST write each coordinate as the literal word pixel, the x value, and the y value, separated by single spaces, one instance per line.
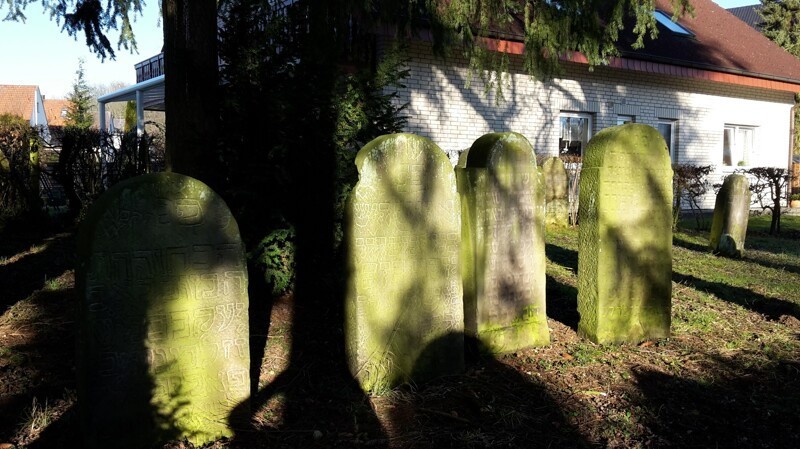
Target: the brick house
pixel 719 92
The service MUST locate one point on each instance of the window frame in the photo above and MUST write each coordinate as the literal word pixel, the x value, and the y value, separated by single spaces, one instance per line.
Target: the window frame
pixel 623 119
pixel 672 144
pixel 667 22
pixel 589 129
pixel 744 152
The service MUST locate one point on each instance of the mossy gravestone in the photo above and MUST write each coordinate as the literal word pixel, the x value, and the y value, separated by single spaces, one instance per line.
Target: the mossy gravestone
pixel 405 286
pixel 731 212
pixel 556 192
pixel 625 253
pixel 163 348
pixel 502 204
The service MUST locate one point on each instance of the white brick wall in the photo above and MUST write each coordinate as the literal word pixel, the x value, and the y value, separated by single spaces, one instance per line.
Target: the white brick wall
pixel 442 108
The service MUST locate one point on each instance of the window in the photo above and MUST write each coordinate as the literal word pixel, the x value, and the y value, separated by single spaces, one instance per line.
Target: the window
pixel 625 119
pixel 576 130
pixel 675 27
pixel 667 130
pixel 737 145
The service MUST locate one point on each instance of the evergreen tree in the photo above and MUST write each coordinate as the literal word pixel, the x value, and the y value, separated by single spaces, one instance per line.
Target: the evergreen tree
pixel 782 23
pixel 130 116
pixel 79 113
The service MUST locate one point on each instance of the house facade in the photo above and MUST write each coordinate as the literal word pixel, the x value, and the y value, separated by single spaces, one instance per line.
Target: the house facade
pixel 719 92
pixel 26 102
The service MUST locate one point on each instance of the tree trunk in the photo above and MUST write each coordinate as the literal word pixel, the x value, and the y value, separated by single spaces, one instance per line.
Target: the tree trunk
pixel 191 83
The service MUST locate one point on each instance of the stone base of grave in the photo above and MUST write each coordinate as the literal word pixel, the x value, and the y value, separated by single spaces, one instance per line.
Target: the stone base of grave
pixel 636 327
pixel 500 340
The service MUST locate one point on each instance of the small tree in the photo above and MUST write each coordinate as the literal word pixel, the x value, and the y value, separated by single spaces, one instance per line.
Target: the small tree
pixel 768 185
pixel 79 113
pixel 690 184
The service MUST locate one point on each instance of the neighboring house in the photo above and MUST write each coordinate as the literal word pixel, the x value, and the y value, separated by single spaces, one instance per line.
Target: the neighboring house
pixel 719 92
pixel 26 102
pixel 749 14
pixel 56 111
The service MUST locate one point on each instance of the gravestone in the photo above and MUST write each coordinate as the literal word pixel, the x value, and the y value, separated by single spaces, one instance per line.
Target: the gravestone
pixel 503 257
pixel 163 350
pixel 404 289
pixel 556 192
pixel 731 212
pixel 625 237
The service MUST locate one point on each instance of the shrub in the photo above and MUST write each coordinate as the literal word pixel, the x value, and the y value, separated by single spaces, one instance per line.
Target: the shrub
pixel 91 161
pixel 19 182
pixel 768 185
pixel 689 183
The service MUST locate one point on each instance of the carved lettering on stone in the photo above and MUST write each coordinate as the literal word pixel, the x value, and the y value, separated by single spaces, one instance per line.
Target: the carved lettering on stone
pixel 625 256
pixel 163 348
pixel 404 307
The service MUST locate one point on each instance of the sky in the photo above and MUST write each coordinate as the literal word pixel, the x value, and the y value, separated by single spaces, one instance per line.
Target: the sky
pixel 37 52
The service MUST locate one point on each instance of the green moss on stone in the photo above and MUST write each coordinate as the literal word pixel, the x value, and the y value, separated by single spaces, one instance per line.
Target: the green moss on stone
pixel 404 313
pixel 556 192
pixel 625 238
pixel 503 261
pixel 163 352
pixel 731 213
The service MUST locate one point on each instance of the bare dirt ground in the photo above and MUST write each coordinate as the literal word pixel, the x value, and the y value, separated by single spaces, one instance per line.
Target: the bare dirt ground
pixel 728 377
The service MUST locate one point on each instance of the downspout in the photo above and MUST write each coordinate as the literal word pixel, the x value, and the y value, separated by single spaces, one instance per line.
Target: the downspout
pixel 792 112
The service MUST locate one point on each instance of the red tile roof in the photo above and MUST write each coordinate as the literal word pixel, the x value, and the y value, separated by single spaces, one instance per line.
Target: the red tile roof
pixel 17 100
pixel 54 109
pixel 721 42
pixel 721 49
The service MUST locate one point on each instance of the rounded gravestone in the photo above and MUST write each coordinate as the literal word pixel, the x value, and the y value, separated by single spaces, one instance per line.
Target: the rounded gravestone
pixel 625 237
pixel 731 212
pixel 163 349
pixel 404 289
pixel 556 192
pixel 503 257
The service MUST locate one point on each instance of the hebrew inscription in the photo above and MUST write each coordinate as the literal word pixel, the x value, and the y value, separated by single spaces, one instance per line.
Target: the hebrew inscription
pixel 404 294
pixel 625 256
pixel 163 349
pixel 503 257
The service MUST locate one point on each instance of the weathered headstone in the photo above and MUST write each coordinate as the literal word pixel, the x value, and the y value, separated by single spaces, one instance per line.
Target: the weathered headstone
pixel 625 237
pixel 163 349
pixel 731 212
pixel 405 286
pixel 556 192
pixel 503 257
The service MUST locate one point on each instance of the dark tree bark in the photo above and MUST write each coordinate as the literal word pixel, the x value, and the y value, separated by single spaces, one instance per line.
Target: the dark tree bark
pixel 191 84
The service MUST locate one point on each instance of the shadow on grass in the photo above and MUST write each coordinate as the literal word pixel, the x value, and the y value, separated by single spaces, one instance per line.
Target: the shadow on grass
pixel 762 402
pixel 562 299
pixel 772 308
pixel 677 240
pixel 562 303
pixel 21 277
pixel 562 256
pixel 37 364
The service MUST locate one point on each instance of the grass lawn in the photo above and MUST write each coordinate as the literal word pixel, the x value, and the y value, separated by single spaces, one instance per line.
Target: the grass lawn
pixel 729 376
